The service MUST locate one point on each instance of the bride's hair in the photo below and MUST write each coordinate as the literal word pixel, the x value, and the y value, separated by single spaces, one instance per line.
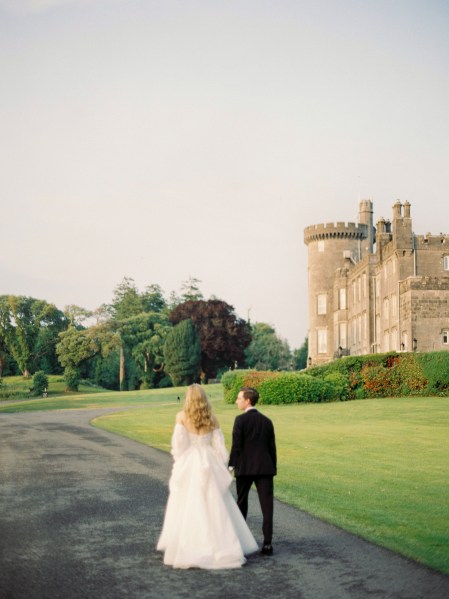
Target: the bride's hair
pixel 197 407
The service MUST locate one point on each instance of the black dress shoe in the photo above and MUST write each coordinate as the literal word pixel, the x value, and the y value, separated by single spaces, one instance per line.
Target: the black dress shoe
pixel 267 550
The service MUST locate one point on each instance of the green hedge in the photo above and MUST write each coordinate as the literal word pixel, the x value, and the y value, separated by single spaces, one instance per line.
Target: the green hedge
pixel 351 377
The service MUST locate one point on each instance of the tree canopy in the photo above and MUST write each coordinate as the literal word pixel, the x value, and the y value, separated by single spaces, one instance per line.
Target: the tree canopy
pixel 182 354
pixel 223 335
pixel 267 351
pixel 29 330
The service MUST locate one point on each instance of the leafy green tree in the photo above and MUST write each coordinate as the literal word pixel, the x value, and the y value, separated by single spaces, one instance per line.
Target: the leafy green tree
pixel 76 347
pixel 267 351
pixel 300 356
pixel 190 290
pixel 153 299
pixel 223 335
pixel 127 300
pixel 182 354
pixel 28 324
pixel 143 337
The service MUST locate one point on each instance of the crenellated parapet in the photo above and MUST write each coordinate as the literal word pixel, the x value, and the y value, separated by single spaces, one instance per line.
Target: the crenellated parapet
pixel 335 231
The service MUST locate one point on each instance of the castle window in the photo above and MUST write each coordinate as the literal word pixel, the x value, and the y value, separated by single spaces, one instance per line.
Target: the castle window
pixel 446 262
pixel 359 289
pixel 394 305
pixel 321 246
pixel 343 340
pixel 364 285
pixel 322 341
pixel 386 308
pixel 342 298
pixel 322 303
pixel 445 337
pixel 353 292
pixel 365 326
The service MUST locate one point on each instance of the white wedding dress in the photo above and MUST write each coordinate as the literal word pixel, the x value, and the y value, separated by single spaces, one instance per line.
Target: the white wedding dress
pixel 203 526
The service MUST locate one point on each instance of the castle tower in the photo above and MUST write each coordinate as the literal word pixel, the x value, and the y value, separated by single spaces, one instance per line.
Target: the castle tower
pixel 366 218
pixel 331 246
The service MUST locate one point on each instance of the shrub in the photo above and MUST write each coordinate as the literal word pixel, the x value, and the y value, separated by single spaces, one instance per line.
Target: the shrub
pixel 339 385
pixel 40 382
pixel 234 379
pixel 72 378
pixel 435 367
pixel 291 387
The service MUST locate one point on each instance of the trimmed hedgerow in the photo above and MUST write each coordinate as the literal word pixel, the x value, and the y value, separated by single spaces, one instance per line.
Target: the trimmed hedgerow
pixel 234 379
pixel 435 367
pixel 290 387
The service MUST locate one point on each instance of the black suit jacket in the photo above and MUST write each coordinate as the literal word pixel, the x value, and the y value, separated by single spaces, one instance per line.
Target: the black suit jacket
pixel 253 449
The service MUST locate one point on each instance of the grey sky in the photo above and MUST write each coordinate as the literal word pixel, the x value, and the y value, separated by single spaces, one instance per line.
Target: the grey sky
pixel 162 139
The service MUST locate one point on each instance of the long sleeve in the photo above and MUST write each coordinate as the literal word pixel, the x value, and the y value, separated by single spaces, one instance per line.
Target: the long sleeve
pixel 179 441
pixel 219 445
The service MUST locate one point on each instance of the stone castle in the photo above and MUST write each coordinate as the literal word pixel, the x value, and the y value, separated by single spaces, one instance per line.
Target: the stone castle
pixel 376 289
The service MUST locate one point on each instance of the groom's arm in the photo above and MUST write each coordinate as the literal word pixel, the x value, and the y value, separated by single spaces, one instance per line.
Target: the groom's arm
pixel 236 444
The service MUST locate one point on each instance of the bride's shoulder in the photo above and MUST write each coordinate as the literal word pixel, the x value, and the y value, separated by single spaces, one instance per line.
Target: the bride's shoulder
pixel 215 423
pixel 180 418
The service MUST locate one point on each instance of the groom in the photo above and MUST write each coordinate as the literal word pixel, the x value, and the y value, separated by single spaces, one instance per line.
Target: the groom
pixel 253 458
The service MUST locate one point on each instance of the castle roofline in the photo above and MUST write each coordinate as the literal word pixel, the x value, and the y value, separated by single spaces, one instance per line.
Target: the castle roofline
pixel 339 230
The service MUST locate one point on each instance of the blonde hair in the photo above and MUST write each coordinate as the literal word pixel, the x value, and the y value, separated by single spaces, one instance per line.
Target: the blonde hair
pixel 197 408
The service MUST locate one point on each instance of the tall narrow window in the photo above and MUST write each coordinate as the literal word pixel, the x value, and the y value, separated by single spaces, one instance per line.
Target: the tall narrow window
pixel 446 262
pixel 322 303
pixel 343 340
pixel 445 338
pixel 342 298
pixel 321 246
pixel 322 341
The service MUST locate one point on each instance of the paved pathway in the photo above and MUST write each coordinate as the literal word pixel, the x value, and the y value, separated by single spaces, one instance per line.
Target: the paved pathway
pixel 81 510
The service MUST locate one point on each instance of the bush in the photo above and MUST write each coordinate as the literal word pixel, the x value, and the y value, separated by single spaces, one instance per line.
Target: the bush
pixel 435 367
pixel 339 385
pixel 72 378
pixel 292 387
pixel 40 382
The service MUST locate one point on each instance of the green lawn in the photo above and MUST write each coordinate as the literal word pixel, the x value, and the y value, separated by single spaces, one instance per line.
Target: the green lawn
pixel 18 387
pixel 378 468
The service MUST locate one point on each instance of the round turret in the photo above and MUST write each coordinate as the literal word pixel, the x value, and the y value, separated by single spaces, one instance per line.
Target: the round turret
pixel 331 246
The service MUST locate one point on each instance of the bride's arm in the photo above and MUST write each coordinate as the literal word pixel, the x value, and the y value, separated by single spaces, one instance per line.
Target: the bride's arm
pixel 219 445
pixel 180 438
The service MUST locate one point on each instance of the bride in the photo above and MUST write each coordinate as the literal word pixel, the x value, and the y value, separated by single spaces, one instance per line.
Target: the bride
pixel 203 526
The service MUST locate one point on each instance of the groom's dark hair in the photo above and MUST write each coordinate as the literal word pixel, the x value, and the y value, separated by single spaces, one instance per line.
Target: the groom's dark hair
pixel 251 394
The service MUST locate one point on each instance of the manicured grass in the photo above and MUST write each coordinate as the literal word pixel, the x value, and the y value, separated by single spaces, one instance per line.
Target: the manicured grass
pixel 106 399
pixel 378 468
pixel 18 387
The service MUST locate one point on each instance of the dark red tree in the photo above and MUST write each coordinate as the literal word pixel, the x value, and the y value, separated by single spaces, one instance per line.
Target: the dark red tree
pixel 223 335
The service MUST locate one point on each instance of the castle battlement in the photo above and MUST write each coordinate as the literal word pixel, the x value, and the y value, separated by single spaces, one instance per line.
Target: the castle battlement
pixel 339 230
pixel 423 241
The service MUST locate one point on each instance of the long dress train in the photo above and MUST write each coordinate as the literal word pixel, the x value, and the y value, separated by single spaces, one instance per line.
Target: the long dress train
pixel 203 527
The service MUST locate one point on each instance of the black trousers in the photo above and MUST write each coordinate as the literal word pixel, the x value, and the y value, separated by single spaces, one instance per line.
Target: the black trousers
pixel 264 486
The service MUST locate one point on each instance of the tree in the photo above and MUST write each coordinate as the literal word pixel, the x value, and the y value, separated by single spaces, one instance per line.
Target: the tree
pixel 190 291
pixel 29 329
pixel 223 335
pixel 127 301
pixel 300 356
pixel 76 347
pixel 153 299
pixel 143 337
pixel 267 351
pixel 182 354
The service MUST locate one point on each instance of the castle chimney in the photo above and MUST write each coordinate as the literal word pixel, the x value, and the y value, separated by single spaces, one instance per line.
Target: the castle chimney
pixel 397 209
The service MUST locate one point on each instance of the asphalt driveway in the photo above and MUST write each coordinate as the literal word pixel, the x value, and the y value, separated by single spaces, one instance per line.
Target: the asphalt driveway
pixel 81 510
